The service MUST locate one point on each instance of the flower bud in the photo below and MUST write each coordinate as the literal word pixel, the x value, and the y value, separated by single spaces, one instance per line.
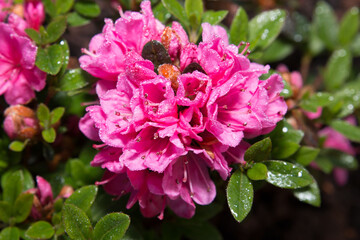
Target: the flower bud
pixel 20 122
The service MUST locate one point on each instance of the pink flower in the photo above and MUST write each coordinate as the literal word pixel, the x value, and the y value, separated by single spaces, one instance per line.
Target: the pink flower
pixel 34 13
pixel 175 112
pixel 43 199
pixel 20 76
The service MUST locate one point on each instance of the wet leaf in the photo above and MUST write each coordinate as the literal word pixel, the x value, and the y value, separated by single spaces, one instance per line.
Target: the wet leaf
pixel 194 8
pixel 77 224
pixel 287 175
pixel 83 197
pixel 319 99
pixel 63 6
pixel 309 194
pixel 305 155
pixel 239 27
pixel 350 131
pixel 74 79
pixel 175 8
pixel 214 17
pixel 22 207
pixel 112 226
pixel 156 53
pixel 326 25
pixel 240 195
pixel 40 230
pixel 50 59
pixel 349 26
pixel 337 69
pixel 259 151
pixel 257 172
pixel 12 186
pixel 277 51
pixel 265 27
pixel 87 8
pixel 55 29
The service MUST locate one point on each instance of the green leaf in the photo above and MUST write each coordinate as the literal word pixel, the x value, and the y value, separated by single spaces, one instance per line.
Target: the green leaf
pixel 319 99
pixel 112 226
pixel 350 131
pixel 257 172
pixel 50 7
pixel 18 146
pixel 74 19
pixel 239 27
pixel 66 51
pixel 50 59
pixel 200 231
pixel 77 224
pixel 338 159
pixel 56 28
pixel 5 211
pixel 277 51
pixel 22 207
pixel 259 151
pixel 315 45
pixel 56 114
pixel 337 69
pixel 194 8
pixel 265 27
pixel 87 8
pixel 40 230
pixel 240 195
pixel 74 79
pixel 34 35
pixel 214 17
pixel 83 197
pixel 10 233
pixel 63 6
pixel 49 135
pixel 309 194
pixel 305 155
pixel 43 113
pixel 355 46
pixel 349 26
pixel 175 8
pixel 287 92
pixel 12 186
pixel 161 13
pixel 326 25
pixel 287 175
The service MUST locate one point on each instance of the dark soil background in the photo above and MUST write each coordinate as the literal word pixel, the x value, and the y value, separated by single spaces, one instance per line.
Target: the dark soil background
pixel 276 214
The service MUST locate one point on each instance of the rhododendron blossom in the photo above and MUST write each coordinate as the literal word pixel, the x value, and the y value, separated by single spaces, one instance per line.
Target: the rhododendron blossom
pixel 19 75
pixel 170 110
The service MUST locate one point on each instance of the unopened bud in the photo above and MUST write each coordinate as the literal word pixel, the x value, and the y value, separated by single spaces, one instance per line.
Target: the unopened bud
pixel 66 191
pixel 20 122
pixel 18 9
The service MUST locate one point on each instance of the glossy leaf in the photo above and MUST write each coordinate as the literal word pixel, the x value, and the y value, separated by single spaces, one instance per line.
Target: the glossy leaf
pixel 239 195
pixel 40 230
pixel 56 114
pixel 265 27
pixel 239 27
pixel 259 151
pixel 309 194
pixel 50 7
pixel 74 19
pixel 50 59
pixel 175 8
pixel 56 28
pixel 74 79
pixel 22 207
pixel 194 9
pixel 349 26
pixel 161 13
pixel 337 69
pixel 17 146
pixel 10 233
pixel 214 17
pixel 43 113
pixel 277 51
pixel 287 175
pixel 12 186
pixel 257 172
pixel 350 131
pixel 83 197
pixel 63 6
pixel 49 135
pixel 319 99
pixel 34 35
pixel 5 211
pixel 87 8
pixel 112 226
pixel 326 25
pixel 77 224
pixel 305 155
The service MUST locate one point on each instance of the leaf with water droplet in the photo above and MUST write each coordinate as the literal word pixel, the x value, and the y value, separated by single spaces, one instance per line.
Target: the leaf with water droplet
pixel 349 26
pixel 265 27
pixel 156 53
pixel 287 175
pixel 214 17
pixel 305 155
pixel 111 226
pixel 50 59
pixel 240 195
pixel 259 151
pixel 40 230
pixel 239 27
pixel 83 197
pixel 309 194
pixel 73 79
pixel 350 131
pixel 77 224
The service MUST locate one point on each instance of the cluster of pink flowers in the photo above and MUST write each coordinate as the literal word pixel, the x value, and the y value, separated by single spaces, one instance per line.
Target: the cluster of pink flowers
pixel 19 75
pixel 170 110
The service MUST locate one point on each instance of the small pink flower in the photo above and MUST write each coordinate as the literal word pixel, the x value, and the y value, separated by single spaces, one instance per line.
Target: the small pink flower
pixel 20 76
pixel 34 13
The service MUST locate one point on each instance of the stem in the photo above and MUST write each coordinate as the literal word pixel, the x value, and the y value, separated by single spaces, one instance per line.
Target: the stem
pixel 305 64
